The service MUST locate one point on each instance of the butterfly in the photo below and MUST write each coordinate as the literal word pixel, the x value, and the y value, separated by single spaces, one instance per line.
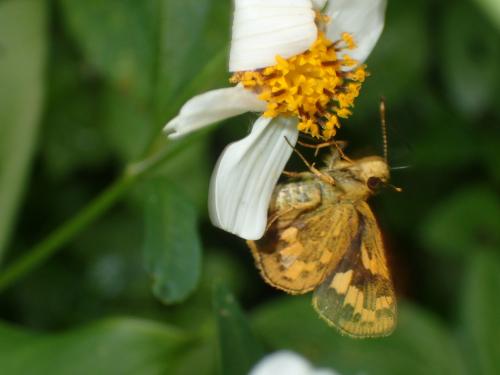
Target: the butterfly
pixel 322 236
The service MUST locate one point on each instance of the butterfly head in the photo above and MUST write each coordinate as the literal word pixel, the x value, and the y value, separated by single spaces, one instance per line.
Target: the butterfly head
pixel 373 171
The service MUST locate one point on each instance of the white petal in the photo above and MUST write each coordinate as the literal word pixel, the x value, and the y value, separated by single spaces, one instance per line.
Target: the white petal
pixel 245 176
pixel 324 372
pixel 263 29
pixel 283 362
pixel 211 107
pixel 289 363
pixel 364 19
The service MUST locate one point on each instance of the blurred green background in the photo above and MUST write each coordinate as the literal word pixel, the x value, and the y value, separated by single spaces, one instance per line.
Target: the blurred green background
pixel 109 264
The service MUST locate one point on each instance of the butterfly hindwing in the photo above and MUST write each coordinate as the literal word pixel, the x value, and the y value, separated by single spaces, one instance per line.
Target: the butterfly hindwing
pixel 296 255
pixel 358 297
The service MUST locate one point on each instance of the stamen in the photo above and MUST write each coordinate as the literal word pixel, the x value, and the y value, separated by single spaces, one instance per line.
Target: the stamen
pixel 279 92
pixel 349 41
pixel 318 86
pixel 330 63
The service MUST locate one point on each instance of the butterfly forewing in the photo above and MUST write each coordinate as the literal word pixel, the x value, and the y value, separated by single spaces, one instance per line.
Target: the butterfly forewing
pixel 358 297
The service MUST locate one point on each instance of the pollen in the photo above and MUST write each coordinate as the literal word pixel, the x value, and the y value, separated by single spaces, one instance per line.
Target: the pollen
pixel 319 86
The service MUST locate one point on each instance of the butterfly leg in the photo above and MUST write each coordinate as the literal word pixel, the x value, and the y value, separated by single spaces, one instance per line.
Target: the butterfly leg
pixel 272 219
pixel 297 174
pixel 339 147
pixel 322 176
pixel 317 146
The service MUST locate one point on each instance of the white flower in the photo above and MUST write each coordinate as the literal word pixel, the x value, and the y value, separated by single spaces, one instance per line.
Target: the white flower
pixel 290 63
pixel 289 363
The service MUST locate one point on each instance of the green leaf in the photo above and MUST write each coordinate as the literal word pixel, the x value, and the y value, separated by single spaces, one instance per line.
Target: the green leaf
pixel 23 47
pixel 466 223
pixel 192 169
pixel 199 359
pixel 172 248
pixel 420 345
pixel 239 348
pixel 156 54
pixel 73 138
pixel 181 26
pixel 127 124
pixel 197 312
pixel 192 51
pixel 118 38
pixel 480 313
pixel 152 47
pixel 114 346
pixel 492 9
pixel 471 51
pixel 212 74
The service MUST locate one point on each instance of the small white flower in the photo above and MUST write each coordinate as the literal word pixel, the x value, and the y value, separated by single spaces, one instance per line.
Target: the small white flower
pixel 290 62
pixel 289 363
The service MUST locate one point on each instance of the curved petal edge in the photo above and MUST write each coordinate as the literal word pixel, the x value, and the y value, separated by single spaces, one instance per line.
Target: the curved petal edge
pixel 246 174
pixel 364 19
pixel 211 107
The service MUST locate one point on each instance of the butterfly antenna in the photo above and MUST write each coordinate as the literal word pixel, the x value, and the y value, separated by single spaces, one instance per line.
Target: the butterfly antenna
pixel 383 122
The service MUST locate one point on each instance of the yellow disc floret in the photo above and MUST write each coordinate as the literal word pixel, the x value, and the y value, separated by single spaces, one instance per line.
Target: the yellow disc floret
pixel 318 86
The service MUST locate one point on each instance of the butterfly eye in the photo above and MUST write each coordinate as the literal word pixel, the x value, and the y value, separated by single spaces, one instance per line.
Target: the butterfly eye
pixel 373 183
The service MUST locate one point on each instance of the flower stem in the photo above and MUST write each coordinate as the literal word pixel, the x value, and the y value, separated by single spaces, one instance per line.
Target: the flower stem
pixel 61 236
pixel 55 242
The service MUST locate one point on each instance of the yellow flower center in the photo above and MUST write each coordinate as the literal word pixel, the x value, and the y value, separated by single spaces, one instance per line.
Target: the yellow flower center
pixel 318 86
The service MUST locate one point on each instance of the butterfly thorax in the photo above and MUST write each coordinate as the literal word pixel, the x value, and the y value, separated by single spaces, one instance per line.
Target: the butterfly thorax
pixel 295 194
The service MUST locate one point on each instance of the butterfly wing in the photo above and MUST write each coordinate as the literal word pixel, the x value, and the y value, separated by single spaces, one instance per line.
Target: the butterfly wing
pixel 358 297
pixel 300 247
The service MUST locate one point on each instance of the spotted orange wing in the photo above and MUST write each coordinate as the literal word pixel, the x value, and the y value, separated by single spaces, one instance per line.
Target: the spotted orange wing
pixel 358 297
pixel 298 252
